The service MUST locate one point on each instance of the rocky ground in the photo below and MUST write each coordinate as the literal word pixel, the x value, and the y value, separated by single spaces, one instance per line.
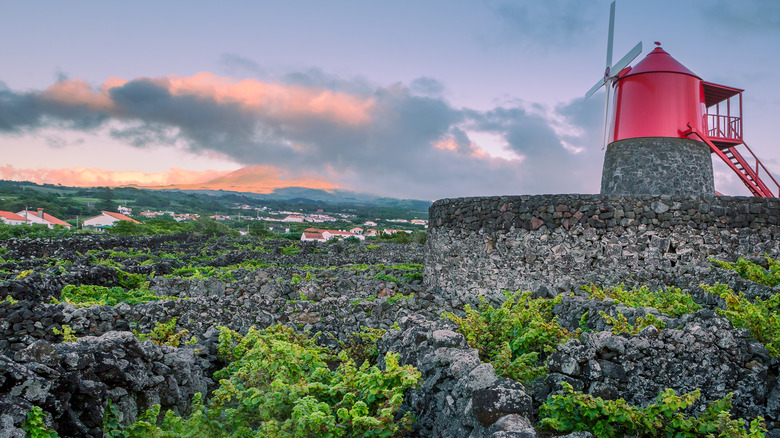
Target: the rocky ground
pixel 336 289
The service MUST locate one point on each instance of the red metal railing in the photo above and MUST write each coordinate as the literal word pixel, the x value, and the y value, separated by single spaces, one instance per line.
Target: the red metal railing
pixel 750 175
pixel 757 171
pixel 723 127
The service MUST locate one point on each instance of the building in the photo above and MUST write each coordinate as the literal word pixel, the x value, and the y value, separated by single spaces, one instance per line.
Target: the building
pixel 293 218
pixel 107 219
pixel 325 235
pixel 185 217
pixel 10 218
pixel 337 234
pixel 312 237
pixel 390 232
pixel 41 218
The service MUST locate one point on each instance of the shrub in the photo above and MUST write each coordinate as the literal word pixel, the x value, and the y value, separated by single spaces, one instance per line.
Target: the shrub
pixel 291 249
pixel 132 281
pixel 398 297
pixel 621 325
pixel 761 317
pixel 516 337
pixel 35 427
pixel 671 301
pixel 387 278
pixel 66 333
pixel 34 231
pixel 90 295
pixel 362 347
pixel 164 333
pixel 754 272
pixel 278 383
pixel 574 411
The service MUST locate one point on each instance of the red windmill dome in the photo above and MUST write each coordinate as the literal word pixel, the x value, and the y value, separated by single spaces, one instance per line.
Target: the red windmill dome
pixel 657 98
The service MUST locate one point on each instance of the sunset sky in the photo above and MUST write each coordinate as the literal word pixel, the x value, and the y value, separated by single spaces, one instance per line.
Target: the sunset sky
pixel 414 99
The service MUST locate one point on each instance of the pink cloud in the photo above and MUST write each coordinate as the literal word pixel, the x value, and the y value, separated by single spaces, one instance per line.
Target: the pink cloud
pixel 450 144
pixel 276 101
pixel 79 92
pixel 255 179
pixel 92 177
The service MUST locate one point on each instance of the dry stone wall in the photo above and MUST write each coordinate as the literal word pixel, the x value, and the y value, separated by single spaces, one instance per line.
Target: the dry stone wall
pixel 657 165
pixel 554 243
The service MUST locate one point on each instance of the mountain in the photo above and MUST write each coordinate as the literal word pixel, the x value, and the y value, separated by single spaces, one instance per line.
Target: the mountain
pixel 259 182
pixel 251 179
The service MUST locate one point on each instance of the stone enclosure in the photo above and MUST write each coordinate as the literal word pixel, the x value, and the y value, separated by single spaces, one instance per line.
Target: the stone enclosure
pixel 554 243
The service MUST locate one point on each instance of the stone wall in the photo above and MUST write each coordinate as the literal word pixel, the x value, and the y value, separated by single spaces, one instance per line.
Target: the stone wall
pixel 336 302
pixel 655 165
pixel 554 243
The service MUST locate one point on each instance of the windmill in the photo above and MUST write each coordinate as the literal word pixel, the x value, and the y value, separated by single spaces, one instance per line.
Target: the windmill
pixel 667 122
pixel 611 71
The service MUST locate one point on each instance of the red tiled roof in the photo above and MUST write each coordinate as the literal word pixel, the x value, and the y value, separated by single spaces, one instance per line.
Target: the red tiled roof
pixel 313 230
pixel 342 233
pixel 120 216
pixel 313 235
pixel 49 218
pixel 12 216
pixel 55 221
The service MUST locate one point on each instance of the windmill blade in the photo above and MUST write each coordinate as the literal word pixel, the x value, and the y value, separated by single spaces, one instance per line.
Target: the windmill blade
pixel 595 88
pixel 606 116
pixel 624 61
pixel 611 35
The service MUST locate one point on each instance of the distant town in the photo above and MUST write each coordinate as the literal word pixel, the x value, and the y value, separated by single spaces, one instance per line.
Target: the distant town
pixel 346 225
pixel 294 213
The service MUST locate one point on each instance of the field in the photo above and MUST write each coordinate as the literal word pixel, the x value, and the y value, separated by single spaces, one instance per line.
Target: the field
pixel 217 335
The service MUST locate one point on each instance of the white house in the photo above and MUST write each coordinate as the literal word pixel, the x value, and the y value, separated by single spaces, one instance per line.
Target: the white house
pixel 39 217
pixel 334 234
pixel 293 218
pixel 312 237
pixel 356 230
pixel 107 219
pixel 9 218
pixel 390 232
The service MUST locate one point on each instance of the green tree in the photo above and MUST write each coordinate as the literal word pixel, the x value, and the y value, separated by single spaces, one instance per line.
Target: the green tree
pixel 106 202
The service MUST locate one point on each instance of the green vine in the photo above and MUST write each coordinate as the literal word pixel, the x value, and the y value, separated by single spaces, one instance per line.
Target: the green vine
pixel 574 411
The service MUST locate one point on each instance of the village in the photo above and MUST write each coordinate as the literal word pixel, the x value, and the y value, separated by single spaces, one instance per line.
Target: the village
pixel 278 222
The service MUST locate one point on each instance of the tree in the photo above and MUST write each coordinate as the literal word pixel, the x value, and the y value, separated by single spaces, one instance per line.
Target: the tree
pixel 106 202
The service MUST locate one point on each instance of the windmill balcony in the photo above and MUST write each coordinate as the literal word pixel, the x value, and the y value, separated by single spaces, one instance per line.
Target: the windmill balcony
pixel 724 128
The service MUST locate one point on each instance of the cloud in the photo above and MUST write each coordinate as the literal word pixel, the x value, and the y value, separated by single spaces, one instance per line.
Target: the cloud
pixel 391 140
pixel 743 18
pixel 238 65
pixel 91 177
pixel 543 24
pixel 427 86
pixel 317 78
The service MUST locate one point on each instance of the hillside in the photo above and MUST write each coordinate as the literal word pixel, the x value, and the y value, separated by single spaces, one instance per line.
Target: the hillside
pixel 69 202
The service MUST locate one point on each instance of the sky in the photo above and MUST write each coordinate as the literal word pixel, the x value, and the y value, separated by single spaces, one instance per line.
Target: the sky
pixel 409 99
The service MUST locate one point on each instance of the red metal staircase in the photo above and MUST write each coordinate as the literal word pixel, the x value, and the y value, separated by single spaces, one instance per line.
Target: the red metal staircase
pixel 750 176
pixel 724 136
